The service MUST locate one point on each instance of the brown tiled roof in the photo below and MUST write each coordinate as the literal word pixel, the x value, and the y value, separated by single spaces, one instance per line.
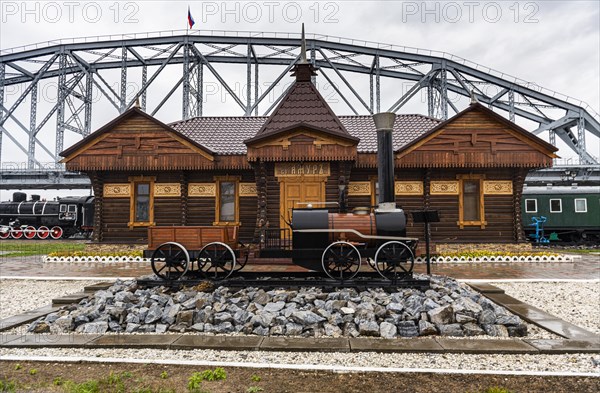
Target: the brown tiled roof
pixel 226 135
pixel 302 105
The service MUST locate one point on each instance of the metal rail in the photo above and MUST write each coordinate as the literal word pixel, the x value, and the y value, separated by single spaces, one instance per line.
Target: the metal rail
pixel 79 67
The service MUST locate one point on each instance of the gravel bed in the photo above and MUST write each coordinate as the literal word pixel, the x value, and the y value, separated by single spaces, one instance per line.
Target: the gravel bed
pixel 574 302
pixel 558 363
pixel 17 296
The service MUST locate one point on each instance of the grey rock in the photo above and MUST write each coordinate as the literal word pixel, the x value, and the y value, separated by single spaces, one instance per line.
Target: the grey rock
pixel 414 305
pixel 293 329
pixel 509 320
pixel 472 329
pixel 261 331
pixel 429 304
pixel 466 306
pixel 426 328
pixel 132 327
pixel 262 297
pixel 222 317
pixel 114 326
pixel 189 304
pixel 80 320
pixel 125 297
pixel 332 330
pixel 387 330
pixel 347 310
pixel 487 317
pixel 441 315
pixel 368 328
pixel 306 317
pixel 186 317
pixel 407 329
pixel 170 314
pixel 462 319
pixel 95 327
pixel 453 329
pixel 277 330
pixel 198 327
pixel 263 319
pixel 274 307
pixel 51 318
pixel 517 331
pixel 132 318
pixel 160 328
pixel 395 307
pixel 225 327
pixel 154 314
pixel 351 330
pixel 496 330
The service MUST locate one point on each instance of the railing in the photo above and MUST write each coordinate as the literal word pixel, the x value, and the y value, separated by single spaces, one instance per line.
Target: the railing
pixel 320 37
pixel 276 239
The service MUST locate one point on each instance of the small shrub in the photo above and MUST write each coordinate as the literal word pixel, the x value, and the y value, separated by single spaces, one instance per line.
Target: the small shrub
pixel 7 386
pixel 195 382
pixel 496 390
pixel 255 378
pixel 18 366
pixel 164 375
pixel 254 389
pixel 33 371
pixel 91 386
pixel 58 381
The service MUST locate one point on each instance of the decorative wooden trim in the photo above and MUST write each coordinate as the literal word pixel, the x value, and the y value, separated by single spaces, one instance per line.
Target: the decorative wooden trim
pixel 247 190
pixel 497 187
pixel 445 187
pixel 117 190
pixel 167 189
pixel 408 188
pixel 294 169
pixel 202 190
pixel 359 188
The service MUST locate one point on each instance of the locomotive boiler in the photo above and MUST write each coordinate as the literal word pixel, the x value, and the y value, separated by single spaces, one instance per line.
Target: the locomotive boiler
pixel 65 217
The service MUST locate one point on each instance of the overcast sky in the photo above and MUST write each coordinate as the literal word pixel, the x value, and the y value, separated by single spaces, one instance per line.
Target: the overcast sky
pixel 555 44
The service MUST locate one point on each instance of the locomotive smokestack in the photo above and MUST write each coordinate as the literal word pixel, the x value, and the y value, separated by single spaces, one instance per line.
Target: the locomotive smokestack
pixel 384 123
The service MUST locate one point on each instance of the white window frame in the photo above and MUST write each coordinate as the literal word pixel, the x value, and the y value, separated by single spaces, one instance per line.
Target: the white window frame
pixel 584 205
pixel 536 206
pixel 559 203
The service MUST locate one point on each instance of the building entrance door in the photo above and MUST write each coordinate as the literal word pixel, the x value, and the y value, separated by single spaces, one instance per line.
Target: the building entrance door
pixel 298 193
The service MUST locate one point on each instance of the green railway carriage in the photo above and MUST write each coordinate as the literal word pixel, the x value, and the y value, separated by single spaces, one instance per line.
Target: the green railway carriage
pixel 572 213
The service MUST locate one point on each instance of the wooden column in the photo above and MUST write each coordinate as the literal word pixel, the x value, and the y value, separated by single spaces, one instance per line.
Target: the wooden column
pixel 183 181
pixel 427 188
pixel 98 187
pixel 344 179
pixel 262 220
pixel 518 182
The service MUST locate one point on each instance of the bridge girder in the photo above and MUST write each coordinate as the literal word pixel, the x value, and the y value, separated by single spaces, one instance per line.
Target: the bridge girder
pixel 440 73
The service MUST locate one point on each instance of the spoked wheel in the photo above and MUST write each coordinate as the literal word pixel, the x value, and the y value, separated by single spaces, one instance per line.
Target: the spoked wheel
pixel 170 261
pixel 43 232
pixel 4 232
pixel 341 261
pixel 56 232
pixel 29 232
pixel 240 262
pixel 393 259
pixel 217 261
pixel 16 233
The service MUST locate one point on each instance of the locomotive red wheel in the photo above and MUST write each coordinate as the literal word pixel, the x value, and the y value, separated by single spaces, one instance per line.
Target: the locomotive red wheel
pixel 43 232
pixel 216 260
pixel 170 261
pixel 16 233
pixel 341 261
pixel 393 259
pixel 29 232
pixel 56 232
pixel 4 232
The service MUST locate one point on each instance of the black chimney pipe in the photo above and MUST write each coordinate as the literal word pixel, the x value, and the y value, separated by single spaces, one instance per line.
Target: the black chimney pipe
pixel 384 123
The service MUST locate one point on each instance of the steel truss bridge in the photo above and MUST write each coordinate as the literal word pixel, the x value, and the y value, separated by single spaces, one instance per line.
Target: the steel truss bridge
pixel 90 73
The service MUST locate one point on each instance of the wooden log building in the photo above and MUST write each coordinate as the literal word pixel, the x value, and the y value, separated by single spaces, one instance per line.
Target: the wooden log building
pixel 251 171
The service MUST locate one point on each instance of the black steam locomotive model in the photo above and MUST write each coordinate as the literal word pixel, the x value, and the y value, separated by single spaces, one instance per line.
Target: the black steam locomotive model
pixel 23 219
pixel 335 243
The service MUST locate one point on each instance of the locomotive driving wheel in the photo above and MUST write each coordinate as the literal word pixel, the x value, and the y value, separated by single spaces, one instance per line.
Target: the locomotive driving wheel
pixel 393 259
pixel 341 261
pixel 170 261
pixel 217 261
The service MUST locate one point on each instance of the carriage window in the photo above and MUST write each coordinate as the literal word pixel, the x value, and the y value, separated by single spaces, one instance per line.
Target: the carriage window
pixel 72 208
pixel 530 205
pixel 227 203
pixel 63 208
pixel 555 205
pixel 580 205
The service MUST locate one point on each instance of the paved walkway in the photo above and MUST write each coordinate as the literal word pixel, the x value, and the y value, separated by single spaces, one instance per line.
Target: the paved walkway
pixel 584 267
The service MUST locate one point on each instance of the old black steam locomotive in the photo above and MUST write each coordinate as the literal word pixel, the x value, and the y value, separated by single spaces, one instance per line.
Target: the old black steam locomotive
pixel 65 217
pixel 335 243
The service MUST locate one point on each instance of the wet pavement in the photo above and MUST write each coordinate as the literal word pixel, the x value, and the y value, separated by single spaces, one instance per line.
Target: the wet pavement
pixel 584 267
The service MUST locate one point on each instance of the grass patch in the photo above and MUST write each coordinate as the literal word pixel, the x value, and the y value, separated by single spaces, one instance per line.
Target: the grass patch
pixel 25 249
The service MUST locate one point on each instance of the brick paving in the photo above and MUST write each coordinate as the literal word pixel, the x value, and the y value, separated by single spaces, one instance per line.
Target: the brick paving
pixel 584 267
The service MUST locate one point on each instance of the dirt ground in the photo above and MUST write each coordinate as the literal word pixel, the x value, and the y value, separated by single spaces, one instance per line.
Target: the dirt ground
pixel 146 378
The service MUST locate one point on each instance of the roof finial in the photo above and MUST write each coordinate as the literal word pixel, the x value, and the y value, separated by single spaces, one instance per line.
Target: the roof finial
pixel 137 103
pixel 303 59
pixel 473 97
